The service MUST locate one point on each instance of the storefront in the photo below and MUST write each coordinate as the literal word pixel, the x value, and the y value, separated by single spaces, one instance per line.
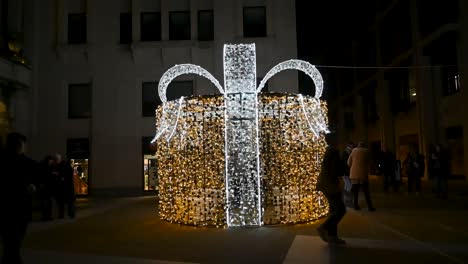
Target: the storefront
pixel 150 173
pixel 78 154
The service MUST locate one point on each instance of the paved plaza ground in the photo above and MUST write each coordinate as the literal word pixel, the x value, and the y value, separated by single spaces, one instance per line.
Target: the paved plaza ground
pixel 404 229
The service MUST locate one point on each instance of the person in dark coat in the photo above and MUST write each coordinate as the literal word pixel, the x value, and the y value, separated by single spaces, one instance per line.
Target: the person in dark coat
pixel 388 167
pixel 414 167
pixel 46 187
pixel 328 184
pixel 65 192
pixel 16 190
pixel 439 170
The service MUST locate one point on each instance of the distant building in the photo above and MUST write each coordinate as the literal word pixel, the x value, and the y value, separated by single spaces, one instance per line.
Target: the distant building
pixel 409 105
pixel 98 63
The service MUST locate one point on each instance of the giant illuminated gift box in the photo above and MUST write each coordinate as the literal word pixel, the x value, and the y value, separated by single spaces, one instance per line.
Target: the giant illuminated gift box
pixel 241 158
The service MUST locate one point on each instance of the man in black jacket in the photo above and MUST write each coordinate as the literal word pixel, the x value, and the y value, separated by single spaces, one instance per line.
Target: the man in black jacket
pixel 16 190
pixel 328 183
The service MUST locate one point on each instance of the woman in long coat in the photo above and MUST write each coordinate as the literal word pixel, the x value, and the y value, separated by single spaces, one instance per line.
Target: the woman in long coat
pixel 358 162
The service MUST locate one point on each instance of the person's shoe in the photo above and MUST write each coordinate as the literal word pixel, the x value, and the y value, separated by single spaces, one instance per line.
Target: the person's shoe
pixel 336 241
pixel 371 209
pixel 323 234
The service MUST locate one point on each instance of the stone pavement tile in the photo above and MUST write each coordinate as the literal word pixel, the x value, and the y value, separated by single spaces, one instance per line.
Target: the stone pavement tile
pixel 311 249
pixel 51 257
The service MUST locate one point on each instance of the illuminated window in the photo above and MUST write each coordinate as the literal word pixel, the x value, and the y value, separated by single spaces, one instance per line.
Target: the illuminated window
pixel 78 154
pixel 150 165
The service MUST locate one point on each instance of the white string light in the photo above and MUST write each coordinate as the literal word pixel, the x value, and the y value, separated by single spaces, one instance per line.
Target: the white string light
pixel 299 65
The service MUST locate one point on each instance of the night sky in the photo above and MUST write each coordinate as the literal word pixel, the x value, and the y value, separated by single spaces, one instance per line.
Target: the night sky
pixel 325 32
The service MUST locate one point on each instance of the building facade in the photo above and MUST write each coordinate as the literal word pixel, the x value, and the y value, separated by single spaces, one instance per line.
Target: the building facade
pixel 417 94
pixel 98 64
pixel 16 52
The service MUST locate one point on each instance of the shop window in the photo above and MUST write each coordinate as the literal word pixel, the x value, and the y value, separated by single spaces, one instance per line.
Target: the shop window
pixel 150 26
pixel 179 25
pixel 79 100
pixel 78 155
pixel 150 165
pixel 255 22
pixel 205 25
pixel 77 28
pixel 125 28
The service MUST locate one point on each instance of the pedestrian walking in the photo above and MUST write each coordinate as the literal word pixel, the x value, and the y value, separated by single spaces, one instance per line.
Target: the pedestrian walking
pixel 65 191
pixel 347 193
pixel 16 191
pixel 328 184
pixel 414 169
pixel 388 167
pixel 359 162
pixel 439 170
pixel 46 187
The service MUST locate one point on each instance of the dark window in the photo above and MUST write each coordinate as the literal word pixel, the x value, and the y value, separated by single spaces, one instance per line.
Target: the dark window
pixel 450 80
pixel 77 28
pixel 205 25
pixel 125 28
pixel 150 26
pixel 150 97
pixel 79 100
pixel 255 22
pixel 180 88
pixel 179 25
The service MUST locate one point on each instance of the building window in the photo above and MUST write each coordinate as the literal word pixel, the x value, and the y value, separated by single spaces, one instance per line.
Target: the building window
pixel 79 100
pixel 150 26
pixel 205 25
pixel 78 154
pixel 77 28
pixel 454 136
pixel 255 22
pixel 125 28
pixel 179 25
pixel 150 96
pixel 450 80
pixel 150 164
